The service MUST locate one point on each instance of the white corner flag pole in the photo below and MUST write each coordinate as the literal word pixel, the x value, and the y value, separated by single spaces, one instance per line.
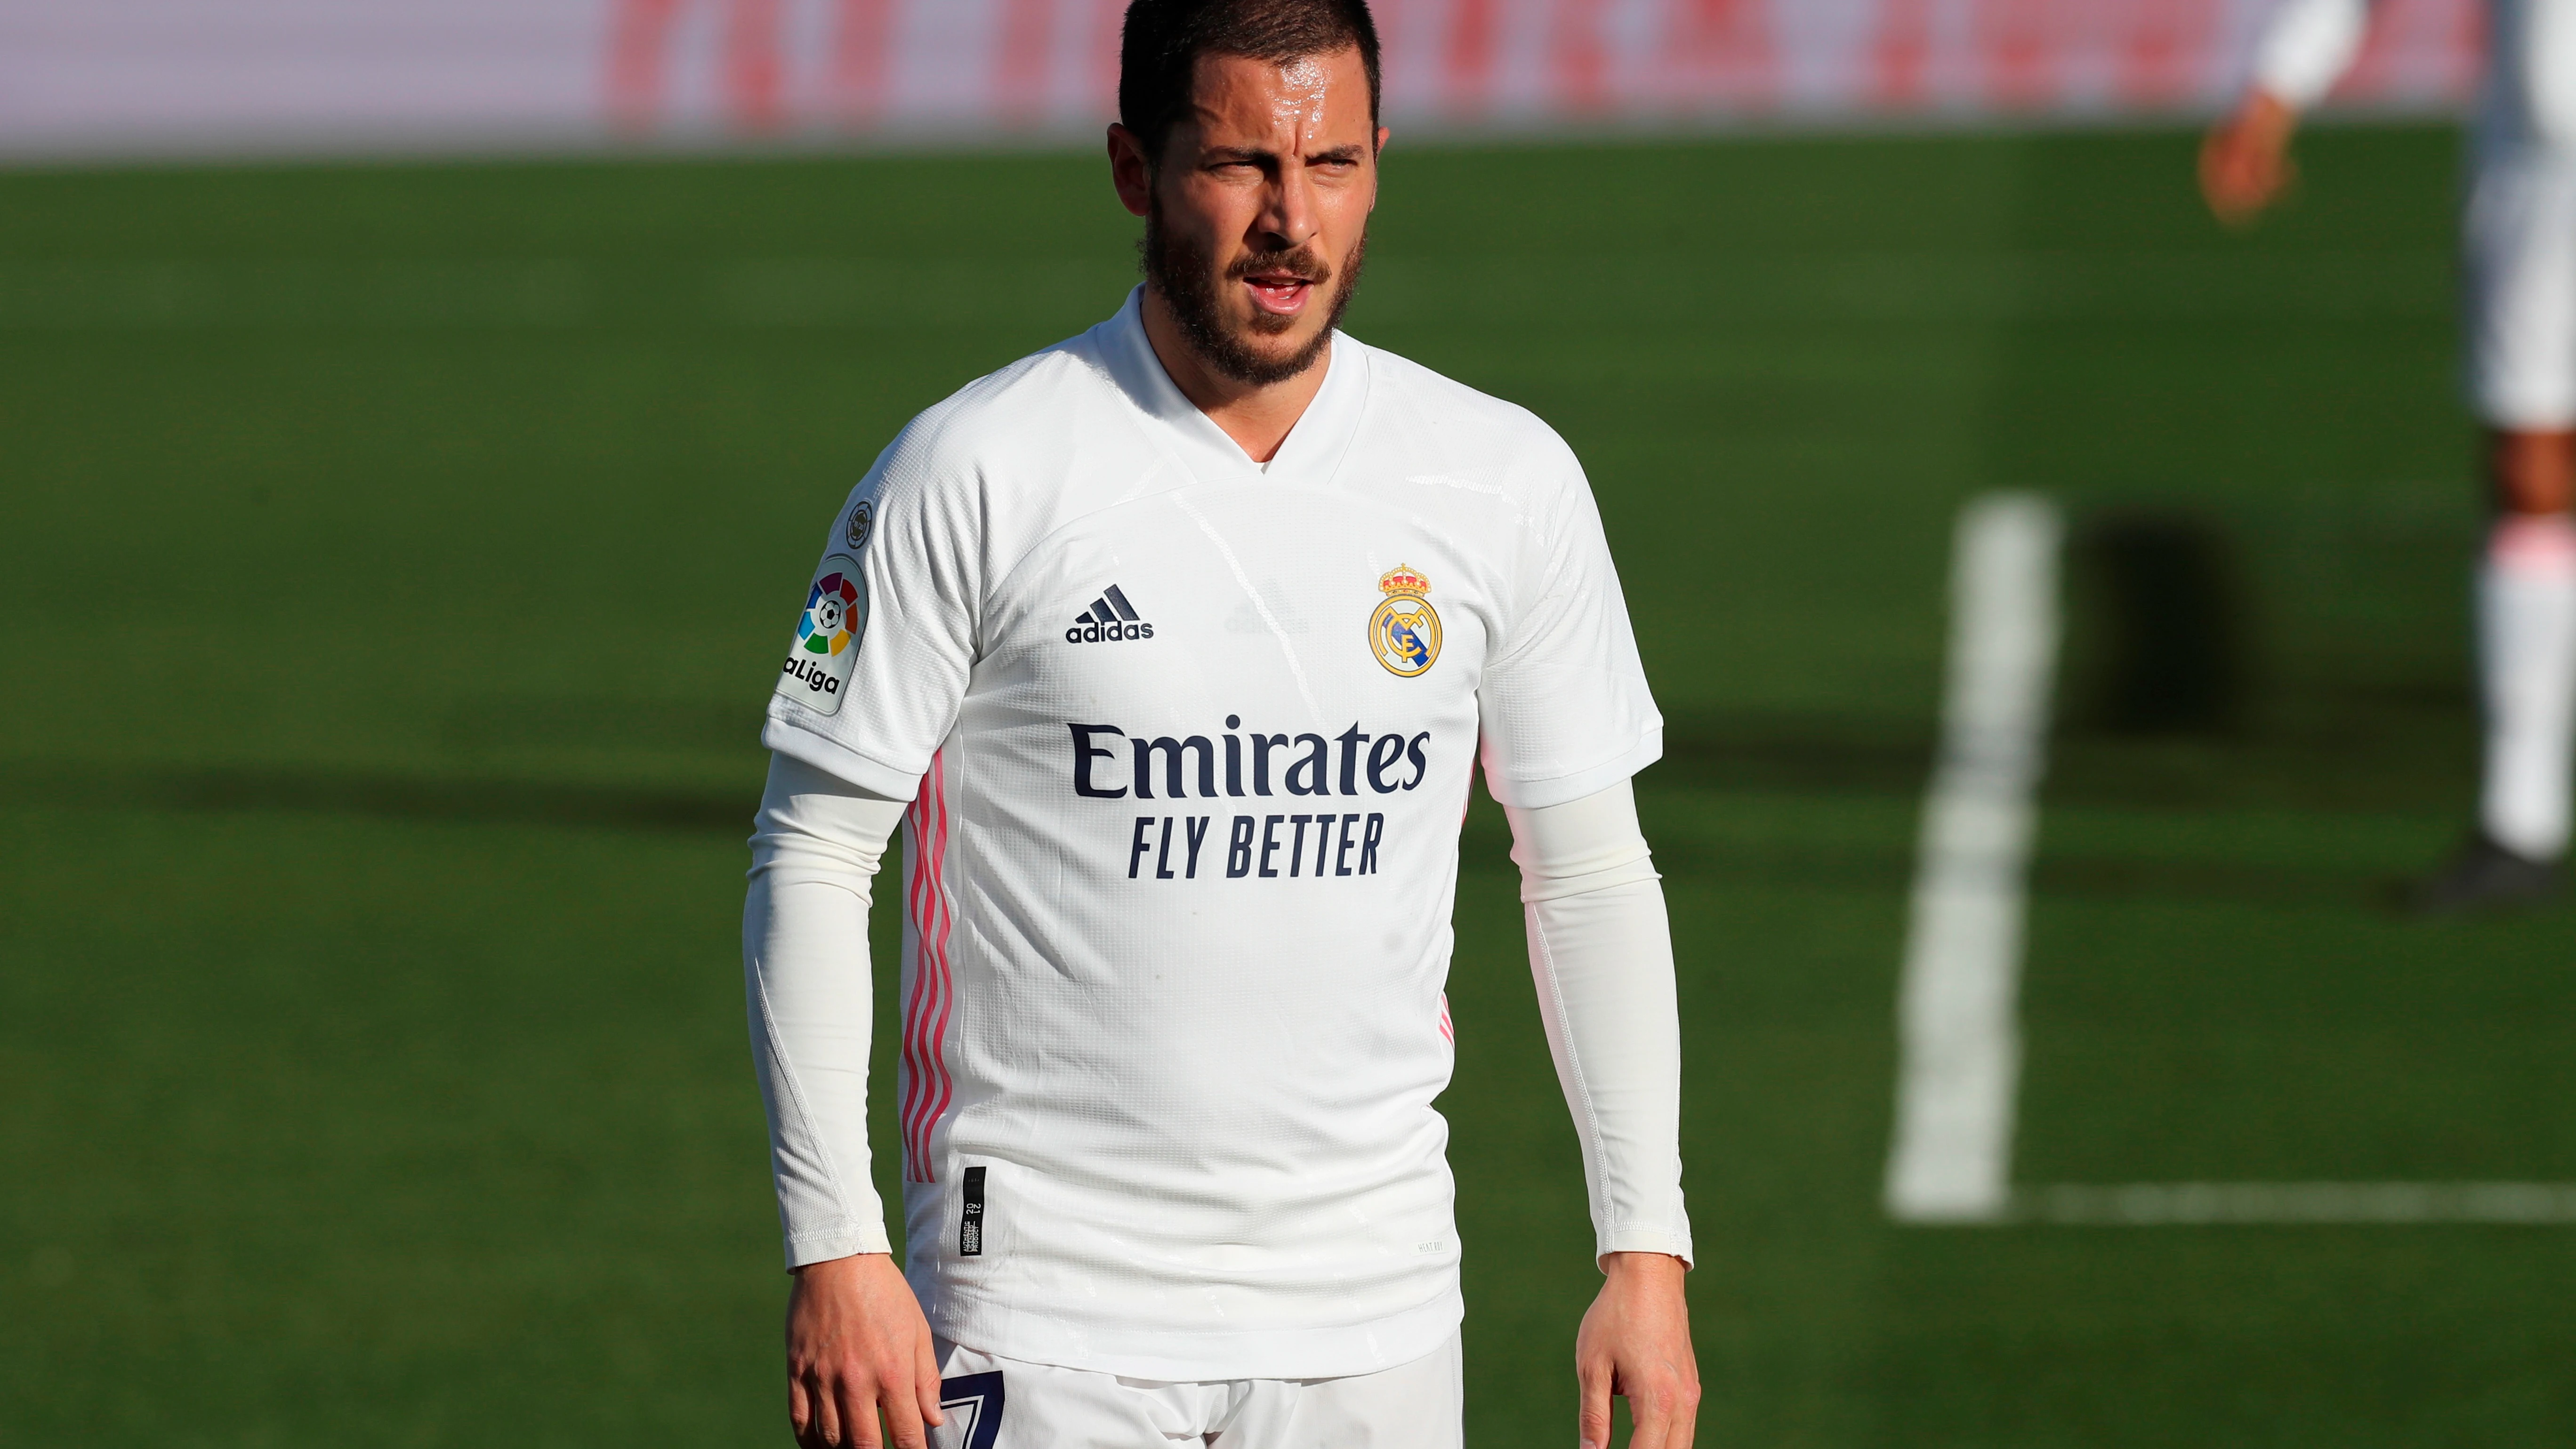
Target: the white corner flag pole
pixel 1960 1047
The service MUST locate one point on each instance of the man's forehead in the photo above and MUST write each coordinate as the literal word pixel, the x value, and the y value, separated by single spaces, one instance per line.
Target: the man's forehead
pixel 1241 100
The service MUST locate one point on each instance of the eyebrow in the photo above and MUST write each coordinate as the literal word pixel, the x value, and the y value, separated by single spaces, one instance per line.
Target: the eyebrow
pixel 1257 153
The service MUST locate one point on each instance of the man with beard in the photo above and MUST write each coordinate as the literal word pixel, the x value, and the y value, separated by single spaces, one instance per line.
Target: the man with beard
pixel 1182 639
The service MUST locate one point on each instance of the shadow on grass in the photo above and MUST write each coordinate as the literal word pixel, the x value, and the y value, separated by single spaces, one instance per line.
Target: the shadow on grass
pixel 401 797
pixel 1709 759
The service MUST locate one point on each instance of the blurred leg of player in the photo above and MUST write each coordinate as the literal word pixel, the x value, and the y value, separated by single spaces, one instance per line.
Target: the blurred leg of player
pixel 2521 255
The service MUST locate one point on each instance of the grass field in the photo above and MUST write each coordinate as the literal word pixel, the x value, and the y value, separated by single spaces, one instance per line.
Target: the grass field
pixel 394 562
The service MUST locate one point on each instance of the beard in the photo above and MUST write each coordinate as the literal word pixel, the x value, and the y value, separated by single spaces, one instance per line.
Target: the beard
pixel 1185 274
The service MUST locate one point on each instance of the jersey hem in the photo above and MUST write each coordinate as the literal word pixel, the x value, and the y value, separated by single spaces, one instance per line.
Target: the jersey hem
pixel 808 746
pixel 1202 1356
pixel 1558 789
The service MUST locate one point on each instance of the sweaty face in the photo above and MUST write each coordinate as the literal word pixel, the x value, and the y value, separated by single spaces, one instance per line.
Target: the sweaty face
pixel 1259 217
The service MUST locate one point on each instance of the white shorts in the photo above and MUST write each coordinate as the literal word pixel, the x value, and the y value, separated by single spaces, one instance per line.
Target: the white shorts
pixel 2520 241
pixel 1003 1403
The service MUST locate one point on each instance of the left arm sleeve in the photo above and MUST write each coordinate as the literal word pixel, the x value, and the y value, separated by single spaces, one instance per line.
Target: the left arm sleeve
pixel 2306 46
pixel 1563 705
pixel 1601 954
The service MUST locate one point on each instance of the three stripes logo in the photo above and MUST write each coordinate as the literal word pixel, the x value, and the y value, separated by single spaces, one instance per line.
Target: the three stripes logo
pixel 1109 620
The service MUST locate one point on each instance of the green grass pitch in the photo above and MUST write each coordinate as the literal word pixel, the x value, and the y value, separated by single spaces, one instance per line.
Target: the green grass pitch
pixel 394 561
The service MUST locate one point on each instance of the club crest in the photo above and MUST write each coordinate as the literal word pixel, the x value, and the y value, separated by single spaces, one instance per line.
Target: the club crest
pixel 1404 633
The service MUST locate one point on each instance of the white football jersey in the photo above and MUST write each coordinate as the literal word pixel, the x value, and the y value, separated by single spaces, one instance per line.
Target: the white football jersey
pixel 1191 742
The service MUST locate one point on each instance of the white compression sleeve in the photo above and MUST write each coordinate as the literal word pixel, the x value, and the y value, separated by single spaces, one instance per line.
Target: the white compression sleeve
pixel 1601 952
pixel 814 849
pixel 2307 45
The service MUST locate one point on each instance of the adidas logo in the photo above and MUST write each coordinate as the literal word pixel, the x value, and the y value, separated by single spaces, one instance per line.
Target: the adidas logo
pixel 1109 619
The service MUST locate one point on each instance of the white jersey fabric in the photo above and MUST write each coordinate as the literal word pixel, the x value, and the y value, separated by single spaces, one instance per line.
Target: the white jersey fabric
pixel 1189 741
pixel 1601 956
pixel 2519 239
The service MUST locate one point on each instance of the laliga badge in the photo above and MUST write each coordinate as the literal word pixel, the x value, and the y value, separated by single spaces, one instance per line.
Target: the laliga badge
pixel 817 672
pixel 1404 633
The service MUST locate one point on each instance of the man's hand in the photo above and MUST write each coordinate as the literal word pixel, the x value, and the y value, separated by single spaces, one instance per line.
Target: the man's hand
pixel 857 1345
pixel 1636 1343
pixel 2245 162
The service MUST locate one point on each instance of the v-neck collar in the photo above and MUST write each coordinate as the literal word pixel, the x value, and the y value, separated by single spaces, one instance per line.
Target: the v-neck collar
pixel 1313 448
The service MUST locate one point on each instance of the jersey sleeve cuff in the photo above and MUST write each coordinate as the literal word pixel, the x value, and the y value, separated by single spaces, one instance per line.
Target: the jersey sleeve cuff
pixel 1645 1240
pixel 841 1240
pixel 1539 794
pixel 838 760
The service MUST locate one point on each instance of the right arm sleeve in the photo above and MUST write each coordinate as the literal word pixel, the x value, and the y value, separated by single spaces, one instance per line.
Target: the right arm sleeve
pixel 2306 46
pixel 885 642
pixel 814 851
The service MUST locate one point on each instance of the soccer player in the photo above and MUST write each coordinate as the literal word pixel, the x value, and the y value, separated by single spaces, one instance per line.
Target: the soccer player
pixel 2520 244
pixel 1173 648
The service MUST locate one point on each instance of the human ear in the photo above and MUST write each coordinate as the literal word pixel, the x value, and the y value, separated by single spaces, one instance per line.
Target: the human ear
pixel 1131 171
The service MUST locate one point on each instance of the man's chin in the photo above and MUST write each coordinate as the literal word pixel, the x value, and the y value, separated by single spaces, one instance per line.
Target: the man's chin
pixel 1275 338
pixel 1276 355
pixel 1289 327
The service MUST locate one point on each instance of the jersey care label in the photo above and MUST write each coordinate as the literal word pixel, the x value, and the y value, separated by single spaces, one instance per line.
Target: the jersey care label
pixel 828 632
pixel 970 1224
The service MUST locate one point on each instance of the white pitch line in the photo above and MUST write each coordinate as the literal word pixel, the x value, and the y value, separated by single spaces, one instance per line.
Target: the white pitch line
pixel 1960 1038
pixel 2151 1204
pixel 1959 1004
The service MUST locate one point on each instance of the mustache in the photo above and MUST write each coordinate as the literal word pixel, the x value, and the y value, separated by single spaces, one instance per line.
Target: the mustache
pixel 1297 261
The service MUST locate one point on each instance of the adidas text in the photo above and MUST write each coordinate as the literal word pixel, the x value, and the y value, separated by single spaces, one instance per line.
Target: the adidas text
pixel 1109 620
pixel 1096 632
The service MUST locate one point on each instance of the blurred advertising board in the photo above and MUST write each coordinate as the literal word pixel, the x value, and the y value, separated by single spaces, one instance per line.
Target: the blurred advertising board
pixel 163 77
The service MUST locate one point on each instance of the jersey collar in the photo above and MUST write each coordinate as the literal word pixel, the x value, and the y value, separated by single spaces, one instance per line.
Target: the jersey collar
pixel 1314 446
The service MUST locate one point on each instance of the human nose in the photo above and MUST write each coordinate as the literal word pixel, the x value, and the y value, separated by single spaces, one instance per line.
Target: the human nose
pixel 1288 214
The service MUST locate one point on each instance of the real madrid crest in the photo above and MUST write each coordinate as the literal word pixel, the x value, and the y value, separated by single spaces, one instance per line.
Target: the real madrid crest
pixel 1404 633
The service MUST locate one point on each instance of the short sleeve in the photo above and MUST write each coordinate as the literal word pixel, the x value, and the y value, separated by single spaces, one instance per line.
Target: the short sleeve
pixel 1563 706
pixel 2306 46
pixel 885 635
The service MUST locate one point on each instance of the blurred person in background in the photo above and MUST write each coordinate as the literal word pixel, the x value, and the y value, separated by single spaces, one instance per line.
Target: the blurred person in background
pixel 1182 638
pixel 2519 240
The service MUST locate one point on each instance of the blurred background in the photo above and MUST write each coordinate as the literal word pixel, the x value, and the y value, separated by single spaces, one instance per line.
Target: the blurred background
pixel 416 423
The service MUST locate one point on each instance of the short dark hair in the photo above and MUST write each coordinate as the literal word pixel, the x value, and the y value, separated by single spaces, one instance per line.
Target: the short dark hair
pixel 1159 49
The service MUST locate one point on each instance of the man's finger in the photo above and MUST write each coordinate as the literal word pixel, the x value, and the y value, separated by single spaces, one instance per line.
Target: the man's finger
pixel 1685 1422
pixel 800 1406
pixel 1592 1416
pixel 858 1403
pixel 1650 1411
pixel 825 1431
pixel 925 1383
pixel 902 1416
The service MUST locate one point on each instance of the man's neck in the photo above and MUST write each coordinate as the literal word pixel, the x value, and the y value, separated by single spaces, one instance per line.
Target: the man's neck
pixel 1258 416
